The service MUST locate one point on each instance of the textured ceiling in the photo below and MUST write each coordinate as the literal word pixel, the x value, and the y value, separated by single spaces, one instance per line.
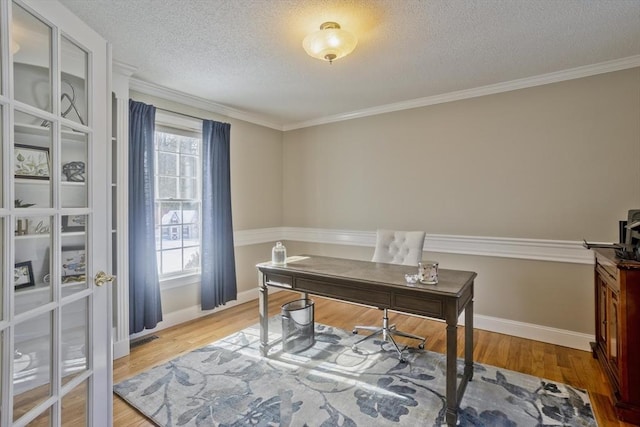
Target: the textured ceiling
pixel 248 55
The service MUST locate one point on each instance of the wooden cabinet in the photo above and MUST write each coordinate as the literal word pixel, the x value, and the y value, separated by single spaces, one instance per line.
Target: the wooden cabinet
pixel 617 346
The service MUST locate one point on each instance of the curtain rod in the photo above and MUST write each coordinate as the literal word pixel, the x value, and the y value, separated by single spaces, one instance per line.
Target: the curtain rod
pixel 181 114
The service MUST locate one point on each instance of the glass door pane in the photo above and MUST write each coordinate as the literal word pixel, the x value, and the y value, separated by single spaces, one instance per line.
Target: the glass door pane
pixel 75 339
pixel 73 100
pixel 33 142
pixel 32 278
pixel 32 363
pixel 74 406
pixel 74 174
pixel 73 255
pixel 31 47
pixel 2 109
pixel 2 285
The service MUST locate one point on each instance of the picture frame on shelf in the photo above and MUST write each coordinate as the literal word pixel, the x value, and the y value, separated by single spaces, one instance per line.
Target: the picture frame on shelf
pixel 31 162
pixel 23 275
pixel 73 223
pixel 73 264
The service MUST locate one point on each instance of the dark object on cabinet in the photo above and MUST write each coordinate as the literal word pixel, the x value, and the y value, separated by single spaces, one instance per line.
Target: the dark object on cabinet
pixel 617 346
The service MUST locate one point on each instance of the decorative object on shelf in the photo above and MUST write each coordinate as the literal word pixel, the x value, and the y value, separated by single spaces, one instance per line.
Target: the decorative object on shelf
pixel 71 223
pixel 73 265
pixel 32 226
pixel 20 204
pixel 22 225
pixel 329 43
pixel 40 227
pixel 23 275
pixel 73 171
pixel 31 162
pixel 72 105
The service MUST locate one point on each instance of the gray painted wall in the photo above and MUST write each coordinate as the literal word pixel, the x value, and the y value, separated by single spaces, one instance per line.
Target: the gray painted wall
pixel 559 161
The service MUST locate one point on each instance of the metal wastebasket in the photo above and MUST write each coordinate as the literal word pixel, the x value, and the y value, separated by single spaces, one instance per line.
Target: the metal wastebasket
pixel 297 325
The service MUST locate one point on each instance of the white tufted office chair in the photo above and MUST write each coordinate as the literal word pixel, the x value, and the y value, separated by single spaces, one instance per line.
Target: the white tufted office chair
pixel 395 247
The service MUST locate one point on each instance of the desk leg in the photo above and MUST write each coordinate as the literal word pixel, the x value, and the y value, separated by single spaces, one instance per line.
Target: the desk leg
pixel 468 340
pixel 263 300
pixel 452 371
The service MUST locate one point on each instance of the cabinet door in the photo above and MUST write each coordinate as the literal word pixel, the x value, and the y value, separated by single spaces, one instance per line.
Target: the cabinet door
pixel 613 342
pixel 55 348
pixel 601 329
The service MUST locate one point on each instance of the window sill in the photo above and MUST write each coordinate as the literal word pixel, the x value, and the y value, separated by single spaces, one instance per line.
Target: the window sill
pixel 179 281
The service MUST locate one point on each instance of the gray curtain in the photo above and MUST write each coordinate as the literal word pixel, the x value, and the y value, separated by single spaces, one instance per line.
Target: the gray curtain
pixel 145 309
pixel 218 258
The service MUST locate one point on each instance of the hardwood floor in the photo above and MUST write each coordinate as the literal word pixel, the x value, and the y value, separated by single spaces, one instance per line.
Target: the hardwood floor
pixel 573 367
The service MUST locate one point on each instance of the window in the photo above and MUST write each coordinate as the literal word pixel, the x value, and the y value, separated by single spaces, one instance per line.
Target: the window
pixel 177 201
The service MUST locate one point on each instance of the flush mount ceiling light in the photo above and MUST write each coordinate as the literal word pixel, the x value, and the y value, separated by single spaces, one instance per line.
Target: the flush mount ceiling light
pixel 330 42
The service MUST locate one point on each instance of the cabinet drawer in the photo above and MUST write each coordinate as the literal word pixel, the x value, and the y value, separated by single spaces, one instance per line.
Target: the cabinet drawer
pixel 430 307
pixel 608 275
pixel 278 280
pixel 607 265
pixel 361 295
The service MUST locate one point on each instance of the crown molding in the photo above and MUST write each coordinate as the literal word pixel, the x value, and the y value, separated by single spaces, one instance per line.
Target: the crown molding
pixel 555 77
pixel 197 102
pixel 204 104
pixel 568 251
pixel 123 69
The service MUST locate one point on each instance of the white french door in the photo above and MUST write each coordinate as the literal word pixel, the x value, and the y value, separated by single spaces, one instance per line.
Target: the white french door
pixel 55 319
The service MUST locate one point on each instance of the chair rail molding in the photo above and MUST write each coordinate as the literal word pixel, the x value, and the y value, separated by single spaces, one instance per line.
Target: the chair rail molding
pixel 568 251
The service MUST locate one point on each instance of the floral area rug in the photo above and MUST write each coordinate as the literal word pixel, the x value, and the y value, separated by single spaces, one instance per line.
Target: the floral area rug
pixel 228 383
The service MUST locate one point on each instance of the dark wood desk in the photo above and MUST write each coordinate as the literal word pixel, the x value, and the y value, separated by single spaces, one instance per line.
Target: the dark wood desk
pixel 383 286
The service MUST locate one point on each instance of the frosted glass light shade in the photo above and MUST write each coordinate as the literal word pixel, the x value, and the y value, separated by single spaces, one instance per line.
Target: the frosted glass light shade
pixel 330 42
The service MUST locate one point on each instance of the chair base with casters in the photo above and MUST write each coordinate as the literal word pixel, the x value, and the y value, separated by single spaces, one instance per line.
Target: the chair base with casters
pixel 388 332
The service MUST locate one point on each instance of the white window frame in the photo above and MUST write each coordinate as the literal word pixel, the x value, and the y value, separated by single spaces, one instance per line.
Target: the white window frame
pixel 179 122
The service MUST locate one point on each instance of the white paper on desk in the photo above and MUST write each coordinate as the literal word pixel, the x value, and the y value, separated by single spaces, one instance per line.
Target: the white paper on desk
pixel 296 258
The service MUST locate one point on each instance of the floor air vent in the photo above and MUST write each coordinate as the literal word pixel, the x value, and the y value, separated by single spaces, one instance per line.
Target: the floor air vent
pixel 142 340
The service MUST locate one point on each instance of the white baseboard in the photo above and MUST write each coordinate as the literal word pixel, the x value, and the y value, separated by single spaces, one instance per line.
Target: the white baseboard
pixel 534 332
pixel 120 349
pixel 194 312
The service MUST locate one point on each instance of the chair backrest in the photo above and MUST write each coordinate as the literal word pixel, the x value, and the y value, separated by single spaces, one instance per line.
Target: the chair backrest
pixel 399 247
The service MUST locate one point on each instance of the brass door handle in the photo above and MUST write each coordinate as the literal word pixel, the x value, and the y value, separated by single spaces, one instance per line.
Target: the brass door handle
pixel 102 278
